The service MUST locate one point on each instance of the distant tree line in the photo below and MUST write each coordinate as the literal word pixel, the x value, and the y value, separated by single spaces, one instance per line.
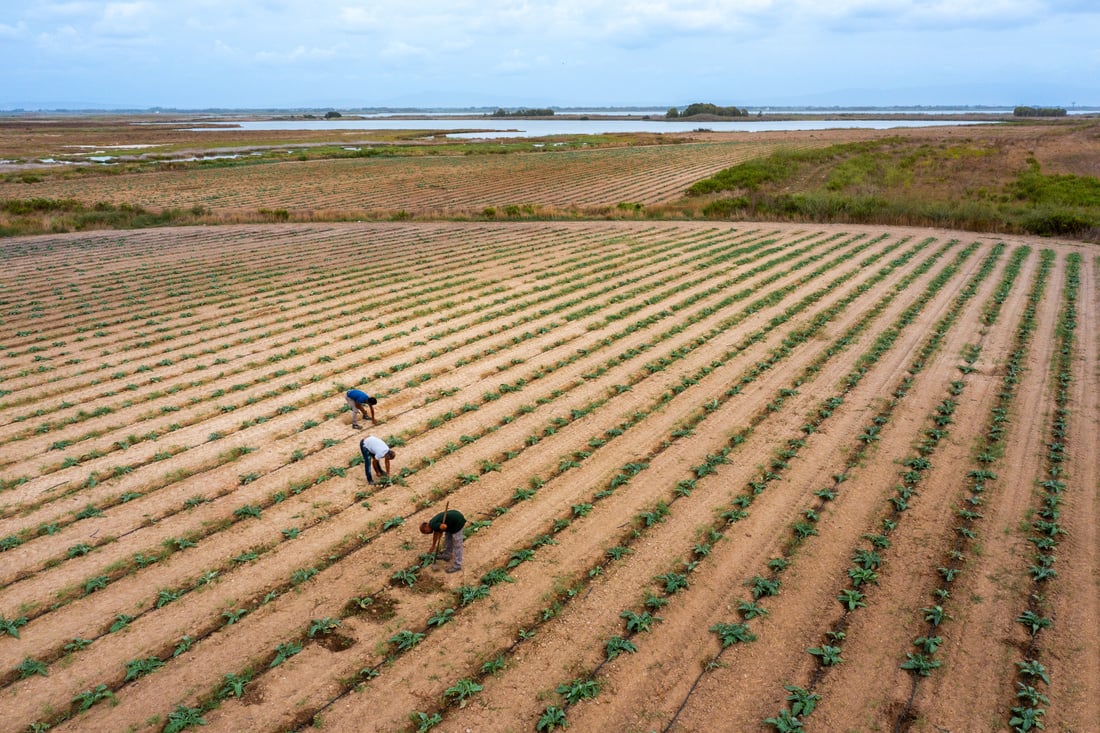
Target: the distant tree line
pixel 1039 112
pixel 523 112
pixel 702 108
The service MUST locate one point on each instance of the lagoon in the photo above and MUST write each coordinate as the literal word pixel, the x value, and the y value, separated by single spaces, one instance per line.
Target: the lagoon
pixel 496 127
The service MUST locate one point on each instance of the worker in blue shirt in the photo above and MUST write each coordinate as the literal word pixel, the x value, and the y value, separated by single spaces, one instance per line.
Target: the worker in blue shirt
pixel 360 403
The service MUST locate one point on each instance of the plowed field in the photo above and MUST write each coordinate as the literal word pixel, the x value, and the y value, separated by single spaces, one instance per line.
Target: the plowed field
pixel 717 477
pixel 426 185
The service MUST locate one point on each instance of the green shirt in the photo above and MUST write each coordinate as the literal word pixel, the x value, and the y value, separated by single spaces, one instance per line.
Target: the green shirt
pixel 455 521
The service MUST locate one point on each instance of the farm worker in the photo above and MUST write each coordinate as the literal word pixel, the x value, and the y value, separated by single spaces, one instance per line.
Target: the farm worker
pixel 449 522
pixel 360 402
pixel 374 449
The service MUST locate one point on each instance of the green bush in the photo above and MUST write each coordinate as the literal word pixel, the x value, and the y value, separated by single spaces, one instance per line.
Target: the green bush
pixel 1059 223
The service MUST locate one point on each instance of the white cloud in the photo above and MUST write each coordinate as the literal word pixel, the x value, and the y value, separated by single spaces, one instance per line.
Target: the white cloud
pixel 124 20
pixel 296 54
pixel 63 39
pixel 65 10
pixel 400 49
pixel 659 49
pixel 358 19
pixel 514 61
pixel 13 31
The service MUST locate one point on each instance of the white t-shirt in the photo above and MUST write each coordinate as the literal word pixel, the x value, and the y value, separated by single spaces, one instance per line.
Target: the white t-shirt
pixel 375 446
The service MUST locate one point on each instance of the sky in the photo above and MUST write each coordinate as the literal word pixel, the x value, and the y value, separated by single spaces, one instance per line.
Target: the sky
pixel 344 54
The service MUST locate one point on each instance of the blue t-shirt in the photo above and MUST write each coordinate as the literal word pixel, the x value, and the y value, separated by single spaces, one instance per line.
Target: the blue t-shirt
pixel 357 395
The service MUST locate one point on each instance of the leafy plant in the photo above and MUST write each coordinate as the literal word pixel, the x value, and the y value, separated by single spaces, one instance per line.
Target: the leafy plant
pixel 91 585
pixel 802 702
pixel 617 645
pixel 408 577
pixel 750 610
pixel 121 622
pixel 136 668
pixel 578 690
pixel 497 576
pixel 425 722
pixel 638 622
pixel 851 599
pixel 493 665
pixel 673 582
pixel 88 698
pixel 467 594
pixel 1034 622
pixel 934 615
pixel 233 685
pixel 920 664
pixel 463 689
pixel 182 718
pixel 322 626
pixel 301 575
pixel 441 617
pixel 730 634
pixel 11 626
pixel 827 655
pixel 184 644
pixel 232 616
pixel 928 643
pixel 785 722
pixel 284 652
pixel 1033 668
pixel 404 640
pixel 1026 719
pixel 553 717
pixel 247 511
pixel 29 667
pixel 763 587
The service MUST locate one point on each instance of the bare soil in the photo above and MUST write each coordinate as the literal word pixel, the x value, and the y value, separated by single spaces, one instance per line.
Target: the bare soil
pixel 595 397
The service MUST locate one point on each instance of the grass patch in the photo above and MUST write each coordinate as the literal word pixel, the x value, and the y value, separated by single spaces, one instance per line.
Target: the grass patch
pixel 902 182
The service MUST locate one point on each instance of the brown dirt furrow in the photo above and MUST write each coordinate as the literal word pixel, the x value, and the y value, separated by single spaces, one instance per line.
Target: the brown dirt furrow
pixel 197 435
pixel 337 367
pixel 396 685
pixel 981 635
pixel 208 513
pixel 879 636
pixel 523 435
pixel 540 512
pixel 80 611
pixel 243 349
pixel 1074 601
pixel 677 647
pixel 806 602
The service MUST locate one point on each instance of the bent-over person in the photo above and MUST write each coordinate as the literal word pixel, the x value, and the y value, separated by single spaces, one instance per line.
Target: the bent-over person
pixel 360 403
pixel 448 523
pixel 374 450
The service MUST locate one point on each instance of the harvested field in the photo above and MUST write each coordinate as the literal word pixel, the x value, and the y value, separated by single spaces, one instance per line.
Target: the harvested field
pixel 436 185
pixel 717 477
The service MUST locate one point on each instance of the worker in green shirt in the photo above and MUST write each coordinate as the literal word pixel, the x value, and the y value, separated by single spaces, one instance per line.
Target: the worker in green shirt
pixel 449 523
